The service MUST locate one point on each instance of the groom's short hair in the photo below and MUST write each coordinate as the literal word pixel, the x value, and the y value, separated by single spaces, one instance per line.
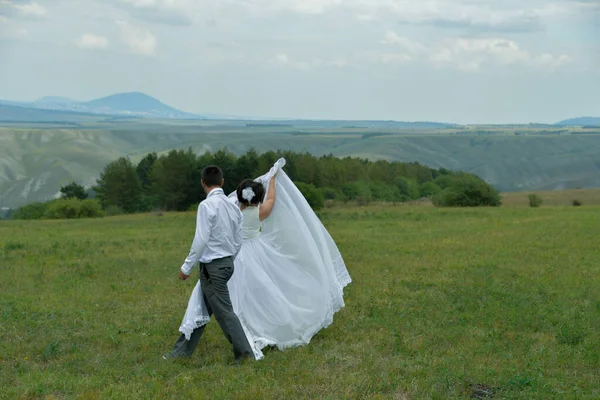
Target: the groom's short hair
pixel 212 176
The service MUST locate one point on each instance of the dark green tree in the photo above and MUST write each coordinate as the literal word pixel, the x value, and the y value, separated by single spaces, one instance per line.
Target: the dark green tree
pixel 119 186
pixel 144 169
pixel 313 196
pixel 429 189
pixel 246 167
pixel 226 160
pixel 73 191
pixel 408 188
pixel 175 181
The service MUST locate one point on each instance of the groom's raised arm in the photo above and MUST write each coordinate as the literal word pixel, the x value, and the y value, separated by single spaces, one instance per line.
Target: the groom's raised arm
pixel 203 228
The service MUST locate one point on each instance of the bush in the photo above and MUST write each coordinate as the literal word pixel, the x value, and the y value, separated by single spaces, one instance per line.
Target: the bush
pixel 331 194
pixel 408 189
pixel 362 201
pixel 112 211
pixel 90 209
pixel 535 200
pixel 31 211
pixel 313 196
pixel 383 192
pixel 577 203
pixel 468 191
pixel 356 189
pixel 63 209
pixel 429 189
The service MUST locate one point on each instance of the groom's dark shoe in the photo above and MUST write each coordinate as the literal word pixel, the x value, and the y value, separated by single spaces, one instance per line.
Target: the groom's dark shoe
pixel 242 359
pixel 173 356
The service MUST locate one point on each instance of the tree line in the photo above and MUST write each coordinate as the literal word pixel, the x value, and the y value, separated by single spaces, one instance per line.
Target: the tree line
pixel 171 181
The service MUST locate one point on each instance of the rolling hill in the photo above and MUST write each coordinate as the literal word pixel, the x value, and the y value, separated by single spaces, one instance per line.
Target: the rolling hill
pixel 135 103
pixel 122 104
pixel 49 142
pixel 36 160
pixel 581 121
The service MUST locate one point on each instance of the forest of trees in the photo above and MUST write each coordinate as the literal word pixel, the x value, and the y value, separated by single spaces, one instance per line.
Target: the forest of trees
pixel 171 182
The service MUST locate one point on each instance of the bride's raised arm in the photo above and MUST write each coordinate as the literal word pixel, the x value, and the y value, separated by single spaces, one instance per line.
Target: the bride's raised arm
pixel 267 206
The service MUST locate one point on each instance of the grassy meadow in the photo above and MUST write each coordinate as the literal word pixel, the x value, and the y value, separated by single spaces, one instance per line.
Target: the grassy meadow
pixel 445 304
pixel 554 197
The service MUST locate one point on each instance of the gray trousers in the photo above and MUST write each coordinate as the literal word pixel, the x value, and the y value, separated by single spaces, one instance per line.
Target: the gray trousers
pixel 213 278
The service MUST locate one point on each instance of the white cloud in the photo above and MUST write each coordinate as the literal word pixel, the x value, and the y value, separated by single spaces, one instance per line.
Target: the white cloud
pixel 89 41
pixel 338 63
pixel 309 6
pixel 284 60
pixel 468 15
pixel 457 14
pixel 32 9
pixel 395 58
pixel 468 54
pixel 137 40
pixel 410 46
pixel 169 12
pixel 11 29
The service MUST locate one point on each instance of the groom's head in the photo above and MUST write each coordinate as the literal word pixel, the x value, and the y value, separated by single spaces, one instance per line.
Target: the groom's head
pixel 212 177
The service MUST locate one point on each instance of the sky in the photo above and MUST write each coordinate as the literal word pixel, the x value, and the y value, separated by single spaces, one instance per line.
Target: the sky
pixel 460 61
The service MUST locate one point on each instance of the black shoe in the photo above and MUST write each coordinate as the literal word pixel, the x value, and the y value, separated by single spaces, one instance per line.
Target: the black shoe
pixel 172 356
pixel 241 359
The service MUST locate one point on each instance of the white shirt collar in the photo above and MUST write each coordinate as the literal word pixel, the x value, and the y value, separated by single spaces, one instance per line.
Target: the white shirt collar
pixel 214 192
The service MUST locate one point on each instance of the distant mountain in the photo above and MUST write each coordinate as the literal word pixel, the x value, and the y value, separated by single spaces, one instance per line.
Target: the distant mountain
pixel 134 103
pixel 32 115
pixel 122 104
pixel 581 121
pixel 54 103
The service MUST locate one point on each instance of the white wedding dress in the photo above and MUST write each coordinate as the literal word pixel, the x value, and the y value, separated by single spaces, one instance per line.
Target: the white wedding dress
pixel 289 276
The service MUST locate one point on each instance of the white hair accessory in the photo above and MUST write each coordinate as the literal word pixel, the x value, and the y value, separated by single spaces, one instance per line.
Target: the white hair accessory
pixel 248 194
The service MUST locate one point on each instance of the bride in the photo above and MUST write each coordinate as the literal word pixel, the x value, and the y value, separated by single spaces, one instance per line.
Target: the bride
pixel 289 276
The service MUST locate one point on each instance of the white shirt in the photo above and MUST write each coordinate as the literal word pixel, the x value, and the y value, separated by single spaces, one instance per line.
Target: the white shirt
pixel 218 231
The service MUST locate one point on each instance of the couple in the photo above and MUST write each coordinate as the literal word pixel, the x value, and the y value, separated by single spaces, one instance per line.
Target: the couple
pixel 269 271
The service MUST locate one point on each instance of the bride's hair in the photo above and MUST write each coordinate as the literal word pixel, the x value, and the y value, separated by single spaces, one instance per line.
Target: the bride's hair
pixel 250 192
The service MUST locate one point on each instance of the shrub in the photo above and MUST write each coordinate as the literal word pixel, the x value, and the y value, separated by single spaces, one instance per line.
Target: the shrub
pixel 90 209
pixel 408 189
pixel 383 192
pixel 577 203
pixel 429 189
pixel 356 189
pixel 63 209
pixel 468 191
pixel 31 211
pixel 362 201
pixel 112 211
pixel 313 196
pixel 535 200
pixel 330 194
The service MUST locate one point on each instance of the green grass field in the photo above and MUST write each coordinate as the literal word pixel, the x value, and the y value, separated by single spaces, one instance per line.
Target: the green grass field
pixel 590 197
pixel 445 304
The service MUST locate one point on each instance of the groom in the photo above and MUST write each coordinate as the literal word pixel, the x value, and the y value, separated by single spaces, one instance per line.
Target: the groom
pixel 217 242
